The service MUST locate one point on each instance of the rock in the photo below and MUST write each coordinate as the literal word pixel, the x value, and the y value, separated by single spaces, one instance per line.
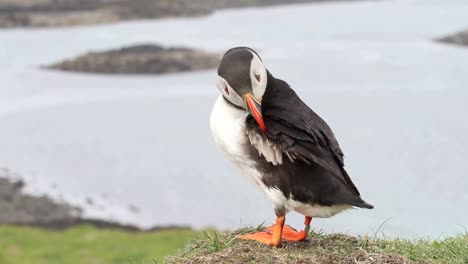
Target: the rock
pixel 141 59
pixel 460 38
pixel 19 208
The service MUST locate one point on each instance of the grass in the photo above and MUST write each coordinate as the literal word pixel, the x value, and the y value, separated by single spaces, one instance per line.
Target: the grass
pixel 87 244
pixel 213 247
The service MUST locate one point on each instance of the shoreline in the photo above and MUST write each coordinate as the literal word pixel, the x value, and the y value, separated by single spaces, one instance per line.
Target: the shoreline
pixel 62 13
pixel 21 209
pixel 64 225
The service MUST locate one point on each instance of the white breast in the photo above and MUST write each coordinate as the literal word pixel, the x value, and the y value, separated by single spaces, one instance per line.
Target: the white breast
pixel 228 130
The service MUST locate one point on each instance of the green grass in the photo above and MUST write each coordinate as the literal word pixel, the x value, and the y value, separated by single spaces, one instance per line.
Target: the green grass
pixel 213 247
pixel 86 244
pixel 449 250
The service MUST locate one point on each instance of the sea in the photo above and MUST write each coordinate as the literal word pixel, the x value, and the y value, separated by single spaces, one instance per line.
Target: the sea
pixel 137 148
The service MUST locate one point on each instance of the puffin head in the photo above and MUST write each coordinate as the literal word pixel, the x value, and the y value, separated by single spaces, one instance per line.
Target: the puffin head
pixel 242 80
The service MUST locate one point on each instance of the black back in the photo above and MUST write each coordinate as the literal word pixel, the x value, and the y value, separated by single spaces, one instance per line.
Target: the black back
pixel 317 174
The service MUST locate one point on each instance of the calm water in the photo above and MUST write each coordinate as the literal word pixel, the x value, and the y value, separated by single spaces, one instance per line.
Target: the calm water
pixel 396 101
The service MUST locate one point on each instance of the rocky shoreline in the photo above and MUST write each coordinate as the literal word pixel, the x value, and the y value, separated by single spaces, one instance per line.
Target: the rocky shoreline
pixel 21 209
pixel 54 13
pixel 140 59
pixel 459 38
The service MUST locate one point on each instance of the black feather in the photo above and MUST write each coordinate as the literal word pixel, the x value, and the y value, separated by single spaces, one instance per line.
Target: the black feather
pixel 317 174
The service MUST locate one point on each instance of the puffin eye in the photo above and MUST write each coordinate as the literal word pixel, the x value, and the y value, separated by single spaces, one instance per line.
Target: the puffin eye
pixel 257 76
pixel 226 90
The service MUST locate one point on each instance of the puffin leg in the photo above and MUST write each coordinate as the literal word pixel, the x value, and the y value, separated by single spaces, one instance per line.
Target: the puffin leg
pixel 272 239
pixel 307 221
pixel 290 234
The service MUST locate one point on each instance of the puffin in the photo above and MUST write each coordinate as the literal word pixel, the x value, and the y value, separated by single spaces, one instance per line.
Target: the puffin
pixel 286 149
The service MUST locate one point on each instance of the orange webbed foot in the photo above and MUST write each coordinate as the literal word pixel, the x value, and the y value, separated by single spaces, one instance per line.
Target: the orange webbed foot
pixel 289 233
pixel 297 237
pixel 262 237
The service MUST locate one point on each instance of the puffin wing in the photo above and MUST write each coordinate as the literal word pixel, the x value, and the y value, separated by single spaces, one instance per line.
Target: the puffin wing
pixel 296 131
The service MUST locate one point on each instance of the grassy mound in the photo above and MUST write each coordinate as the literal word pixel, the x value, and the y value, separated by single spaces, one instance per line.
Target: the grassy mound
pixel 215 247
pixel 88 245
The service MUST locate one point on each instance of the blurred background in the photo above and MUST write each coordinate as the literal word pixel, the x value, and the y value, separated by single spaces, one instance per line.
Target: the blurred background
pixel 105 105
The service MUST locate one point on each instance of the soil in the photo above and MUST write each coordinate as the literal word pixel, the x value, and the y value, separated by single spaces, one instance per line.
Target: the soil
pixel 315 250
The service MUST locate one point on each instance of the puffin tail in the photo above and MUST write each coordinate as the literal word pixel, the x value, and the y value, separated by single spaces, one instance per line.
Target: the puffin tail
pixel 363 204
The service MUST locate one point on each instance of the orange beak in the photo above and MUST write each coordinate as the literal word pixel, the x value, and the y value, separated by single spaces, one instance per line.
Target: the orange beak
pixel 255 109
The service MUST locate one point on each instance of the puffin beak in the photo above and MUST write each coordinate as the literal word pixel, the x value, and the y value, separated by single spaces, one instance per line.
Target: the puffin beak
pixel 255 109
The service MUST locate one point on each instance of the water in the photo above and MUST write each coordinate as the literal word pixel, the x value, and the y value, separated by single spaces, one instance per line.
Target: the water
pixel 395 99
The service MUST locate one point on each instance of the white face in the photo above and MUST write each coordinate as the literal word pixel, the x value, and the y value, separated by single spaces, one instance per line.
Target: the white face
pixel 258 77
pixel 258 83
pixel 229 93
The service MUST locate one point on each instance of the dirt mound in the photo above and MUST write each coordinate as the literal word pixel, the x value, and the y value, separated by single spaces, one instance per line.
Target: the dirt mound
pixel 318 248
pixel 251 252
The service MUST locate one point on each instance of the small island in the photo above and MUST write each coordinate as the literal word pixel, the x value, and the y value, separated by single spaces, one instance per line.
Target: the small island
pixel 459 38
pixel 140 59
